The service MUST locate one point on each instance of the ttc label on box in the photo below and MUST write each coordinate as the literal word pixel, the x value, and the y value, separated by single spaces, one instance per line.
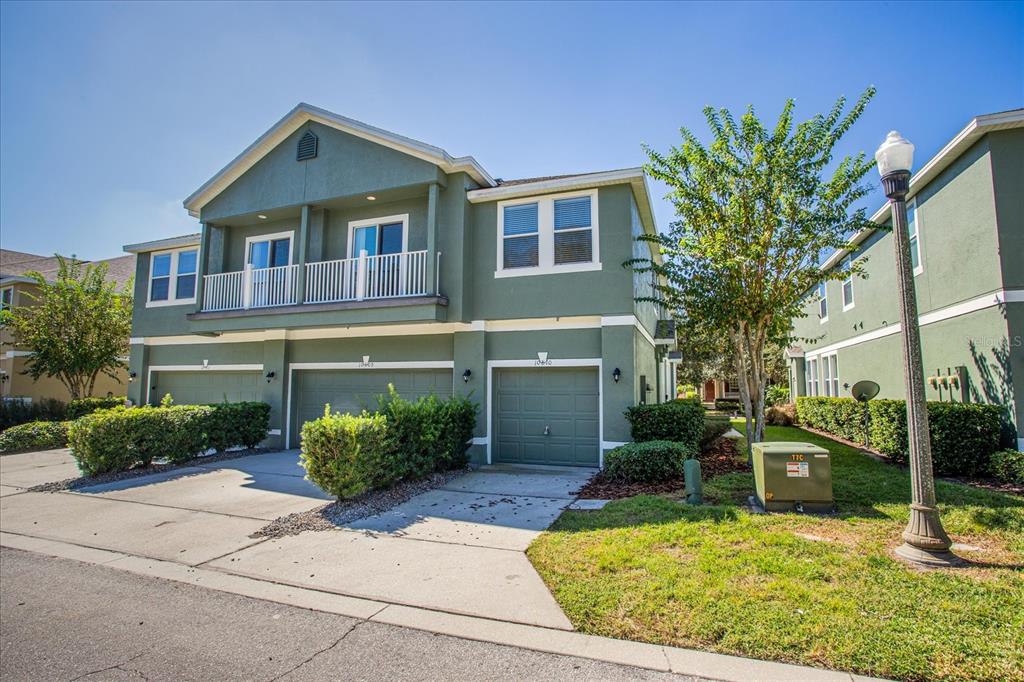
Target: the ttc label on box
pixel 797 470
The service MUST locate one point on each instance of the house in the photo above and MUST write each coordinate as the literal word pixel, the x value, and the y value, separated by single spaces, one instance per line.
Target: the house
pixel 17 289
pixel 336 258
pixel 719 389
pixel 966 224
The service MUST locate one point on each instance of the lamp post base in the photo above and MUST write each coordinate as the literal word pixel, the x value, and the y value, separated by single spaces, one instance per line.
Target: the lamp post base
pixel 925 558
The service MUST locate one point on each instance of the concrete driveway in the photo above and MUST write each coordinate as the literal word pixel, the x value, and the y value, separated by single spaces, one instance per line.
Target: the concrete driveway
pixel 459 548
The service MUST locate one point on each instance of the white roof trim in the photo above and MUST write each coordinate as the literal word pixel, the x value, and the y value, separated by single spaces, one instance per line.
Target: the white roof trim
pixel 16 279
pixel 961 142
pixel 307 112
pixel 159 244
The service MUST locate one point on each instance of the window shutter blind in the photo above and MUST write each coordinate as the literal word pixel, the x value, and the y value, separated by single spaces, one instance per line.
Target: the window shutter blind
pixel 572 213
pixel 520 219
pixel 575 246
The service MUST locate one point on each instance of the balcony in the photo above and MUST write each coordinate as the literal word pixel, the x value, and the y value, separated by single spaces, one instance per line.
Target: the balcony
pixel 364 278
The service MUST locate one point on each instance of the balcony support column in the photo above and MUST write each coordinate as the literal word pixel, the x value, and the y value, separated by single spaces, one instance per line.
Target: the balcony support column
pixel 432 197
pixel 300 293
pixel 202 269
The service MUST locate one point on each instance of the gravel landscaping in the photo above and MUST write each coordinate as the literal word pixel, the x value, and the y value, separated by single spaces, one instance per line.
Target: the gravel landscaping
pixel 333 515
pixel 156 468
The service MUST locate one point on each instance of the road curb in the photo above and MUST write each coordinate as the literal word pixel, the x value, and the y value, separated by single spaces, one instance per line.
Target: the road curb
pixel 623 652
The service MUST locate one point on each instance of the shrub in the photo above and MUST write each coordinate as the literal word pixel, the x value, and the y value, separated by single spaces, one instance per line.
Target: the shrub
pixel 83 406
pixel 15 411
pixel 1007 466
pixel 776 395
pixel 123 437
pixel 727 405
pixel 677 420
pixel 648 462
pixel 348 455
pixel 780 415
pixel 242 424
pixel 458 419
pixel 714 428
pixel 34 436
pixel 963 435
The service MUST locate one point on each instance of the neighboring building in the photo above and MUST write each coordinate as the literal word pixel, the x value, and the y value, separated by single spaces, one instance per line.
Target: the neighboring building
pixel 336 257
pixel 16 290
pixel 720 389
pixel 966 223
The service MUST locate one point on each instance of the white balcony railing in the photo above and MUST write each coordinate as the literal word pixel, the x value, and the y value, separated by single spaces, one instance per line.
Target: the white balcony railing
pixel 349 279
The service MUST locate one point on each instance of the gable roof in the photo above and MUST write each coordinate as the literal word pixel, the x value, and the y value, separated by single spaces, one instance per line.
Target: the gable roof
pixel 307 112
pixel 975 129
pixel 14 266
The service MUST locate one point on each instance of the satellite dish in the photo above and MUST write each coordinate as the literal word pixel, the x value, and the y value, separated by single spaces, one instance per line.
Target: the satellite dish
pixel 864 391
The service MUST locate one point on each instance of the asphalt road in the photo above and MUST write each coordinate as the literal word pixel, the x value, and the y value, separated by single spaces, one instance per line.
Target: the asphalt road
pixel 65 620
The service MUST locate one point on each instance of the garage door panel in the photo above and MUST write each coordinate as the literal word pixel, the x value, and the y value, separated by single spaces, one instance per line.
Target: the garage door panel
pixel 203 387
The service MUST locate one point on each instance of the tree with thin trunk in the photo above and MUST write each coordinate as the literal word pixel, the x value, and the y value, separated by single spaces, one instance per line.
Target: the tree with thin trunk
pixel 75 327
pixel 756 207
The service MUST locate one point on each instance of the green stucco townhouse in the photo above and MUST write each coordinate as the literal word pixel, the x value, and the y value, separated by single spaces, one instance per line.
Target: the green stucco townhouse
pixel 966 222
pixel 335 258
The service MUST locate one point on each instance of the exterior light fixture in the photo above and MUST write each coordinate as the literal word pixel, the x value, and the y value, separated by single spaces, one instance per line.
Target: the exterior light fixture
pixel 371 198
pixel 270 376
pixel 131 376
pixel 466 375
pixel 261 216
pixel 925 542
pixel 616 374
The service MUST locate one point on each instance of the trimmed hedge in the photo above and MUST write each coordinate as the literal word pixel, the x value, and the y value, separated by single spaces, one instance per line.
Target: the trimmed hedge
pixel 348 455
pixel 677 420
pixel 120 438
pixel 651 461
pixel 714 428
pixel 14 412
pixel 83 406
pixel 1007 466
pixel 34 436
pixel 963 435
pixel 727 405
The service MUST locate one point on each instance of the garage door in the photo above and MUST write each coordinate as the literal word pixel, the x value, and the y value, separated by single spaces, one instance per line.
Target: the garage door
pixel 353 390
pixel 205 387
pixel 547 416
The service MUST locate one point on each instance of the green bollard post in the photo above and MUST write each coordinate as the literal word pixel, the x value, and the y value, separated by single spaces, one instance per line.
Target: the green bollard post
pixel 694 484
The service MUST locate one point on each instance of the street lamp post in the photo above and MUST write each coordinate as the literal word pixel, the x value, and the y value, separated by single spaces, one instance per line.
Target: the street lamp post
pixel 924 540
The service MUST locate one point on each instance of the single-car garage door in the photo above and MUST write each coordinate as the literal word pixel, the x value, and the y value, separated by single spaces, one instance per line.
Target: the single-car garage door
pixel 206 387
pixel 354 390
pixel 547 416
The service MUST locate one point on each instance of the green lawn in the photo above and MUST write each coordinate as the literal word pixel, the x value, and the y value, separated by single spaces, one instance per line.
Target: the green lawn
pixel 811 590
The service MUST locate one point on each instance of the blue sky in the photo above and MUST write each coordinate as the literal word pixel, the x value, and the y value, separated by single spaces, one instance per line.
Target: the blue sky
pixel 111 114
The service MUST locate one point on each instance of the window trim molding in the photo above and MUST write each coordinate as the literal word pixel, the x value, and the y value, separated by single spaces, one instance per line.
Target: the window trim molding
pixel 172 283
pixel 290 234
pixel 383 220
pixel 842 289
pixel 912 206
pixel 822 296
pixel 546 236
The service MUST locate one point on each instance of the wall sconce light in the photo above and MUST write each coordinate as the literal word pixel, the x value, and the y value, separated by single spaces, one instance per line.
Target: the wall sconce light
pixel 270 376
pixel 616 374
pixel 131 376
pixel 466 375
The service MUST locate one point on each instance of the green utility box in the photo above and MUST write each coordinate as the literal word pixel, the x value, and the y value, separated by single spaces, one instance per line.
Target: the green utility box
pixel 793 476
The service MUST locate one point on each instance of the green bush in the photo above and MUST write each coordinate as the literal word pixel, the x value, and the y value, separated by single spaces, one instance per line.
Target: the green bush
pixel 714 428
pixel 83 406
pixel 677 420
pixel 348 455
pixel 15 411
pixel 776 395
pixel 34 436
pixel 232 425
pixel 651 461
pixel 727 405
pixel 780 415
pixel 963 435
pixel 1007 466
pixel 432 434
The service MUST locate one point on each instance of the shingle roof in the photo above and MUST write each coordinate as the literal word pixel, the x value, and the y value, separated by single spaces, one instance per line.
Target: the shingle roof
pixel 18 263
pixel 524 181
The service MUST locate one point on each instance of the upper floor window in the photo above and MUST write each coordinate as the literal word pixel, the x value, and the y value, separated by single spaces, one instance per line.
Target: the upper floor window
pixel 823 302
pixel 172 277
pixel 913 230
pixel 378 236
pixel 6 298
pixel 269 250
pixel 848 283
pixel 548 234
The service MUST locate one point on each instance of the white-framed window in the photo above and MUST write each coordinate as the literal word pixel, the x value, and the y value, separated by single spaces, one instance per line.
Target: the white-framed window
pixel 6 298
pixel 832 362
pixel 822 302
pixel 848 283
pixel 811 377
pixel 378 236
pixel 548 234
pixel 914 232
pixel 269 250
pixel 172 277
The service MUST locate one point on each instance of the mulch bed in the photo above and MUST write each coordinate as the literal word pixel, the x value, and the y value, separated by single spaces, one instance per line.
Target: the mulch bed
pixel 721 457
pixel 86 481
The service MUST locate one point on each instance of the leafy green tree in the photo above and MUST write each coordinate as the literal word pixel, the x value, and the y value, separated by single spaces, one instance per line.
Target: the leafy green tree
pixel 76 327
pixel 755 210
